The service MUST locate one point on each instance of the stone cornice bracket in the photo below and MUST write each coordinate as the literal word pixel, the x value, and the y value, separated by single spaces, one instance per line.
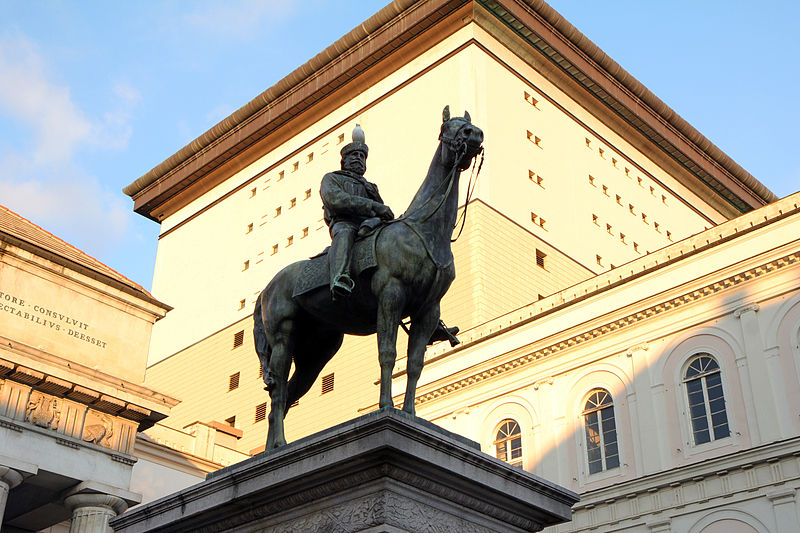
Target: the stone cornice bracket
pixel 641 347
pixel 545 381
pixel 746 308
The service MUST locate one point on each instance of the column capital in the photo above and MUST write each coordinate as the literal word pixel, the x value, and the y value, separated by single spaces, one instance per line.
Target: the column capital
pixel 10 477
pixel 105 501
pixel 746 309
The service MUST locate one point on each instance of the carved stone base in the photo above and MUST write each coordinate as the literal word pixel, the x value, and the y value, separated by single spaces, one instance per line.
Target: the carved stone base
pixel 385 472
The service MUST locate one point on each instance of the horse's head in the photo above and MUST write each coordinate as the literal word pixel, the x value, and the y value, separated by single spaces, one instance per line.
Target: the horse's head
pixel 461 140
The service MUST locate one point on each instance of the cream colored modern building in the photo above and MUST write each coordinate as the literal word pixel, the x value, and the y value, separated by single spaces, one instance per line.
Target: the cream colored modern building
pixel 613 261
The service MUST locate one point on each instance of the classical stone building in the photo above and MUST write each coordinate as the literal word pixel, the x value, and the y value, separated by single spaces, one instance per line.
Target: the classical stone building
pixel 627 293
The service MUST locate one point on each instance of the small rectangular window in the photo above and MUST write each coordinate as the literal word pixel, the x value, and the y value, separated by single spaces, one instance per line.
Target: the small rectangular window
pixel 534 218
pixel 627 172
pixel 278 211
pixel 669 235
pixel 652 191
pixel 596 220
pixel 608 229
pixel 657 226
pixel 591 181
pixel 280 175
pixel 639 180
pixel 246 265
pixel 540 258
pixel 588 142
pixel 274 249
pixel 295 166
pixel 238 338
pixel 242 303
pixel 531 100
pixel 542 222
pixel 599 260
pixel 614 162
pixel 327 383
pixel 605 190
pixel 636 247
pixel 290 240
pixel 619 199
pixel 233 381
pixel 305 233
pixel 250 227
pixel 622 238
pixel 663 199
pixel 231 421
pixel 292 203
pixel 253 191
pixel 310 157
pixel 308 194
pixel 261 412
pixel 644 218
pixel 534 139
pixel 340 139
pixel 602 153
pixel 631 209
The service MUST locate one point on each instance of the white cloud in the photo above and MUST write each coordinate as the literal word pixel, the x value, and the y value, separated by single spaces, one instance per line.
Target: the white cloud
pixel 239 19
pixel 47 109
pixel 40 177
pixel 79 211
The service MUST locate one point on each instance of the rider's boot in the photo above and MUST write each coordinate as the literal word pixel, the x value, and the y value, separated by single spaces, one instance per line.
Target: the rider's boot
pixel 339 256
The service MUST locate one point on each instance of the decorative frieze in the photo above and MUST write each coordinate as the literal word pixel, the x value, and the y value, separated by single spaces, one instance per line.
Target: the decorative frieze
pixel 70 422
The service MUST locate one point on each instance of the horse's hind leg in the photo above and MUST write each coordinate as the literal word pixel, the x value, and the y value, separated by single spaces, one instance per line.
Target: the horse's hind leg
pixel 310 358
pixel 422 327
pixel 279 364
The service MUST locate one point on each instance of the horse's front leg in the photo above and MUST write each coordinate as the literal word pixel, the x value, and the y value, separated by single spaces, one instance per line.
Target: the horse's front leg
pixel 422 327
pixel 391 300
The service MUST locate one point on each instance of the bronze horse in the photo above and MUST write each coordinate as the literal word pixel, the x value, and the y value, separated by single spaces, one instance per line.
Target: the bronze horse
pixel 414 270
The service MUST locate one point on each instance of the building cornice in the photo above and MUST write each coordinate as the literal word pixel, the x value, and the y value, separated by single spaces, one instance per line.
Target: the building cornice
pixel 85 385
pixel 348 59
pixel 599 284
pixel 577 56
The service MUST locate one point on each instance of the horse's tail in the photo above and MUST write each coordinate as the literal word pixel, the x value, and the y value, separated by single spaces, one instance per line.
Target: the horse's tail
pixel 263 349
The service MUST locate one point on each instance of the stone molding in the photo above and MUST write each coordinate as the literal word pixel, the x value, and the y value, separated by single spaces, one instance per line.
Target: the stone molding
pixel 46 383
pixel 621 323
pixel 702 242
pixel 771 471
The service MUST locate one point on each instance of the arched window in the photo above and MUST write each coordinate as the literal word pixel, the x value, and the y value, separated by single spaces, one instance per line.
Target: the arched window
pixel 508 442
pixel 602 450
pixel 706 400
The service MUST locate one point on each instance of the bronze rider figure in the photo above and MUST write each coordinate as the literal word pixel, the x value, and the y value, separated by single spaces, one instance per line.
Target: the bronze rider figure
pixel 350 203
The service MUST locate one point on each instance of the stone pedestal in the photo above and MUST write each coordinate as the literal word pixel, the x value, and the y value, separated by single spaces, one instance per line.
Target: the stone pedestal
pixel 385 472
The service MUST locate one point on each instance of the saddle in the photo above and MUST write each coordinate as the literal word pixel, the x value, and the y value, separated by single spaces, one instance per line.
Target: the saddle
pixel 316 270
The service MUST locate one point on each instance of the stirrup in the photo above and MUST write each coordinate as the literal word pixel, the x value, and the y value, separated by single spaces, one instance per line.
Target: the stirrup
pixel 342 286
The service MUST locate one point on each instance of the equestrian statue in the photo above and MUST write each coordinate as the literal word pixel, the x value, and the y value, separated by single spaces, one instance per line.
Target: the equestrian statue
pixel 377 272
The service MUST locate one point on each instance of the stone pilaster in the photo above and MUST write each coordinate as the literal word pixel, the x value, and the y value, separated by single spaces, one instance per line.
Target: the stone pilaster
pixel 91 512
pixel 784 506
pixel 9 478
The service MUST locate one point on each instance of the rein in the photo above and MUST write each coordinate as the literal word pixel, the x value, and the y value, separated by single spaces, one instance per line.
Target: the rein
pixel 470 189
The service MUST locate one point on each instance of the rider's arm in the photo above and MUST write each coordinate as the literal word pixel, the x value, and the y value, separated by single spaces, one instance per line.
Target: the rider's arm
pixel 338 201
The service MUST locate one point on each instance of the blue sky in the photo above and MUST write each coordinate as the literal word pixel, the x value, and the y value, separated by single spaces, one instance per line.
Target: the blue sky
pixel 95 93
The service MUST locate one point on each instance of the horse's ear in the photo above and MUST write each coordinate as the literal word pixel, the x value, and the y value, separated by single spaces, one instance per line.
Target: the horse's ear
pixel 466 116
pixel 446 113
